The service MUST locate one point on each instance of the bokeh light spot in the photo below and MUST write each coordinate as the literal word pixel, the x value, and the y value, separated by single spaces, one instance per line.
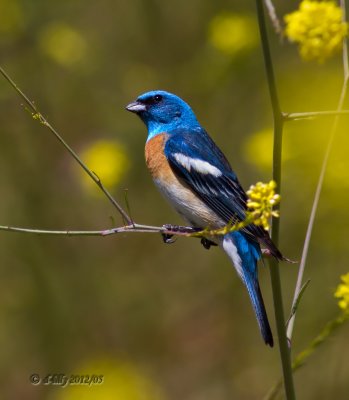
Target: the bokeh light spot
pixel 121 381
pixel 232 33
pixel 108 160
pixel 259 147
pixel 63 44
pixel 11 16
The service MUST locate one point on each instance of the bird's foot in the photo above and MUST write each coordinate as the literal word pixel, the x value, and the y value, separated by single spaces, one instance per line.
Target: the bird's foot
pixel 207 243
pixel 168 239
pixel 181 229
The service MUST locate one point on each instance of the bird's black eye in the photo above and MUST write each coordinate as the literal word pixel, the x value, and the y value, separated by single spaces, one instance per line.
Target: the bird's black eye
pixel 157 98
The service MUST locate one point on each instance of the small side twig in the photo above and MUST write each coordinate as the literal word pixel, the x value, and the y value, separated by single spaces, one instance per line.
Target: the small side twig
pixel 313 114
pixel 273 16
pixel 297 301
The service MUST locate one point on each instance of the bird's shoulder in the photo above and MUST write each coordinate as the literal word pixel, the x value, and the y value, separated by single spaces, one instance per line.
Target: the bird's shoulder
pixel 196 144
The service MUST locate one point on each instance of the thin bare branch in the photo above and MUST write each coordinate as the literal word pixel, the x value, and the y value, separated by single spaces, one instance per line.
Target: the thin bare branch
pixel 133 228
pixel 273 16
pixel 322 176
pixel 172 230
pixel 313 114
pixel 38 116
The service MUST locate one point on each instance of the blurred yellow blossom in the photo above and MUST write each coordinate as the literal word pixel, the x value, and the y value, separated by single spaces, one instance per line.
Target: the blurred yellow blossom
pixel 117 379
pixel 259 148
pixel 231 33
pixel 63 44
pixel 11 17
pixel 342 293
pixel 261 200
pixel 108 160
pixel 318 28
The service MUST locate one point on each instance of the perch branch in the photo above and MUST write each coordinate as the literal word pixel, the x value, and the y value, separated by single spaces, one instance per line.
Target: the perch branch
pixel 132 228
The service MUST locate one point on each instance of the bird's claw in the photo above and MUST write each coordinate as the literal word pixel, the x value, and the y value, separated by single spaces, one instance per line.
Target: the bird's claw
pixel 207 243
pixel 181 229
pixel 168 239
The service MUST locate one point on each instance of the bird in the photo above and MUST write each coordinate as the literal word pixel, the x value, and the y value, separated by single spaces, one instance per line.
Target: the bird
pixel 196 178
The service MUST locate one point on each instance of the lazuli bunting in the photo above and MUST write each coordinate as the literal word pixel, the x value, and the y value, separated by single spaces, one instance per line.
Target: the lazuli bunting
pixel 196 178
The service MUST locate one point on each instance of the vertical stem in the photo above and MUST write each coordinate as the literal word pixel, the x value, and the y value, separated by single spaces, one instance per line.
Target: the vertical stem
pixel 277 151
pixel 322 173
pixel 275 275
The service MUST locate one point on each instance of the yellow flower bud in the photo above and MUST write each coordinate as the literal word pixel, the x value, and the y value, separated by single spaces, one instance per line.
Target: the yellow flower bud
pixel 342 293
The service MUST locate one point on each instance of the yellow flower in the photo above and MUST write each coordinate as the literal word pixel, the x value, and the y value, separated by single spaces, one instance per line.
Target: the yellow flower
pixel 105 379
pixel 342 293
pixel 318 28
pixel 108 160
pixel 261 200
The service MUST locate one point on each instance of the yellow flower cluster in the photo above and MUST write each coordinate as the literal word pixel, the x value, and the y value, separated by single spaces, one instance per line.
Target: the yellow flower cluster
pixel 318 28
pixel 342 293
pixel 261 200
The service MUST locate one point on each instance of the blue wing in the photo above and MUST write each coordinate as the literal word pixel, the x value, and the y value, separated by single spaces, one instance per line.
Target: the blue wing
pixel 223 194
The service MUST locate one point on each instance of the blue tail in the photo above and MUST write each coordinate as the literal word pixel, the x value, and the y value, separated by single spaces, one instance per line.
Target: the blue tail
pixel 244 253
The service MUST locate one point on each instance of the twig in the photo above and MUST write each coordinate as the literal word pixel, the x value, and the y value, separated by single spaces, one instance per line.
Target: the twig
pixel 297 301
pixel 133 228
pixel 277 151
pixel 322 176
pixel 313 114
pixel 273 17
pixel 37 115
pixel 176 230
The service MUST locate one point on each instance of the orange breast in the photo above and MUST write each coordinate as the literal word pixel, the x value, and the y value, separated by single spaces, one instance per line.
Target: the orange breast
pixel 177 193
pixel 155 158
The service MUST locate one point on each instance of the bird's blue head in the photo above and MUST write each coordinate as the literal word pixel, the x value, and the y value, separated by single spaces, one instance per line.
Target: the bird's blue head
pixel 163 112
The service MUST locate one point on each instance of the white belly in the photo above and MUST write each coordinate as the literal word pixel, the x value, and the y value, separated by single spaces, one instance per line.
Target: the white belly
pixel 190 207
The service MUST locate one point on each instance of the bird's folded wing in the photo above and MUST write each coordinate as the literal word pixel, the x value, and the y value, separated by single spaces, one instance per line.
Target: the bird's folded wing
pixel 196 160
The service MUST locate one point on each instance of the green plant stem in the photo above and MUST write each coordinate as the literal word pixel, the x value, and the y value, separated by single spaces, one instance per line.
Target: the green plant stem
pixel 303 356
pixel 277 152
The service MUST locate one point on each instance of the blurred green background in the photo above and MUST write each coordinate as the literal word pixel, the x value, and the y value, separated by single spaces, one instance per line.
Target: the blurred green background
pixel 160 322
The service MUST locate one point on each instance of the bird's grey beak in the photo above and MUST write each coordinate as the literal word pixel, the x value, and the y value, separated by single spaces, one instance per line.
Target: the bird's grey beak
pixel 136 107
